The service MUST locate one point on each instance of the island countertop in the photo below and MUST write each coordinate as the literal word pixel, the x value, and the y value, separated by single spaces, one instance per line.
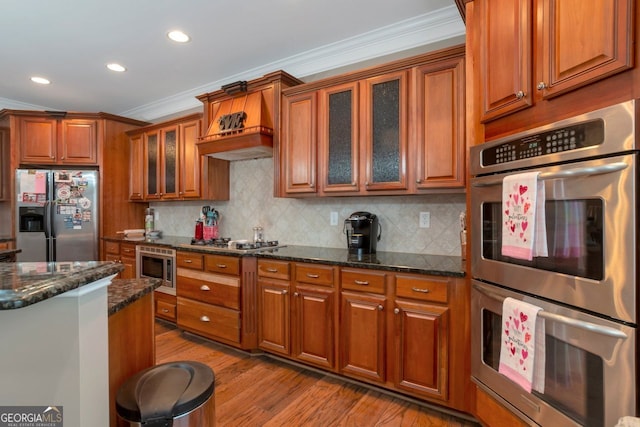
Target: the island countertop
pixel 123 292
pixel 26 283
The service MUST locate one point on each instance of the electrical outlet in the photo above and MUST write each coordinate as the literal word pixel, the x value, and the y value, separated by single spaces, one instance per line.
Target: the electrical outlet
pixel 425 219
pixel 333 218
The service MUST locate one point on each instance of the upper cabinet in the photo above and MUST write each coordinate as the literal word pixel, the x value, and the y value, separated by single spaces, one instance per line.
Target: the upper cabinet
pixel 54 141
pixel 566 45
pixel 352 134
pixel 166 164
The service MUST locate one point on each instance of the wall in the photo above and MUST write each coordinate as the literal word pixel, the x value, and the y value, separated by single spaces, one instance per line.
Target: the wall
pixel 306 221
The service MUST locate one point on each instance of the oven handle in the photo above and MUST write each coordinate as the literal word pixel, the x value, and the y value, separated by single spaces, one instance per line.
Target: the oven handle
pixel 591 327
pixel 569 173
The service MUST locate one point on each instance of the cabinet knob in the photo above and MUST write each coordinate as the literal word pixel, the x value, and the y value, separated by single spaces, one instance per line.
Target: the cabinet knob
pixel 205 288
pixel 396 310
pixel 295 294
pixel 520 94
pixel 418 181
pixel 205 319
pixel 285 292
pixel 541 86
pixel 380 307
pixel 161 194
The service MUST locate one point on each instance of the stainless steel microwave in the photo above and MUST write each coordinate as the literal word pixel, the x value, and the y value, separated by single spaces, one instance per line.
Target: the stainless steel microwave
pixel 156 262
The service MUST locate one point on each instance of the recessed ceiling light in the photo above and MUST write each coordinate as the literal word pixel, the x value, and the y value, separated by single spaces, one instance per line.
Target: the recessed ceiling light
pixel 40 80
pixel 178 36
pixel 116 67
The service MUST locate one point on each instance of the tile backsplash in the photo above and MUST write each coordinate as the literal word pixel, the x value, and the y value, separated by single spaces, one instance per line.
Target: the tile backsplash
pixel 307 221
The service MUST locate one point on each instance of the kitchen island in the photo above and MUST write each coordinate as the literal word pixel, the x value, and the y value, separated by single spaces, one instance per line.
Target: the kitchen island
pixel 54 334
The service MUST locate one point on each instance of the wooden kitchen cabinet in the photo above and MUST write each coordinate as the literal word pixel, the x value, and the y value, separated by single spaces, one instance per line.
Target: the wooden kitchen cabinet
pixel 367 122
pixel 363 321
pixel 299 143
pixel 54 141
pixel 5 162
pixel 421 322
pixel 576 43
pixel 124 253
pixel 439 139
pixel 165 306
pixel 298 317
pixel 210 297
pixel 166 164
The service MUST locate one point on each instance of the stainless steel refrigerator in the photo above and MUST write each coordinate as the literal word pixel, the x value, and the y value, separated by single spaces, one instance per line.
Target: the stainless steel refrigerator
pixel 57 215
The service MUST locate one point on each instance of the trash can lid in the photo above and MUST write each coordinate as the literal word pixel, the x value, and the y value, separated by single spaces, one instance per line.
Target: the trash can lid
pixel 165 391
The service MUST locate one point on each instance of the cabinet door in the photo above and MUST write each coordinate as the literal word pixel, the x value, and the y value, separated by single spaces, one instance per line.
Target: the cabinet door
pixel 362 336
pixel 384 131
pixel 151 173
pixel 313 325
pixel 299 141
pixel 128 259
pixel 37 140
pixel 78 142
pixel 274 327
pixel 189 182
pixel 338 147
pixel 582 41
pixel 422 356
pixel 136 167
pixel 169 161
pixel 5 163
pixel 440 124
pixel 505 56
pixel 114 258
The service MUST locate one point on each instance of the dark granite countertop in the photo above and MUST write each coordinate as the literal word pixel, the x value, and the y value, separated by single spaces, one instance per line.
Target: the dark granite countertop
pixel 439 265
pixel 26 283
pixel 123 292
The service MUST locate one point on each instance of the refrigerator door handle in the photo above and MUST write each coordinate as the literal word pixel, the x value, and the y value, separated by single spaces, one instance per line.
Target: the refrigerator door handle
pixel 52 210
pixel 47 219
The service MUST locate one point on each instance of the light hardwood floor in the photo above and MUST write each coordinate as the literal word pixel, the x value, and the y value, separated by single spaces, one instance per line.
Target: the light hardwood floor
pixel 257 390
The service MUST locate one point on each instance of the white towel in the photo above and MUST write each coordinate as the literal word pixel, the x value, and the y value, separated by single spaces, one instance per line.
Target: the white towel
pixel 524 229
pixel 522 350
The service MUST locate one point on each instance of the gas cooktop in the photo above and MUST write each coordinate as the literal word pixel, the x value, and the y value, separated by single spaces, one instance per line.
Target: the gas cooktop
pixel 228 245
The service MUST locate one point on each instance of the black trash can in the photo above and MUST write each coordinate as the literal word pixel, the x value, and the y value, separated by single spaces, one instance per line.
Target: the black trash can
pixel 177 394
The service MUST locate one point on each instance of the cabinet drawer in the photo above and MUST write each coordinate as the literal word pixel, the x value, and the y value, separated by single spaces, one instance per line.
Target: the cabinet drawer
pixel 190 260
pixel 316 274
pixel 426 289
pixel 222 264
pixel 128 250
pixel 274 269
pixel 209 320
pixel 112 248
pixel 166 310
pixel 365 281
pixel 209 288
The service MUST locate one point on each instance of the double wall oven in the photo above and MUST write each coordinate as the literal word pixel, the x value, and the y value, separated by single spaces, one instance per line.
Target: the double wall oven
pixel 586 286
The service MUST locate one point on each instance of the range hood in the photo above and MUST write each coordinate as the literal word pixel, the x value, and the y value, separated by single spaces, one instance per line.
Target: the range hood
pixel 242 128
pixel 242 119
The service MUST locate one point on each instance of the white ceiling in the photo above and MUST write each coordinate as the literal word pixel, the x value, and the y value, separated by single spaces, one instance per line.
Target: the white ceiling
pixel 70 42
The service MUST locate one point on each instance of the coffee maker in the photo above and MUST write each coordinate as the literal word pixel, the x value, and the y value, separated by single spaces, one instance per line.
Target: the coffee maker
pixel 363 232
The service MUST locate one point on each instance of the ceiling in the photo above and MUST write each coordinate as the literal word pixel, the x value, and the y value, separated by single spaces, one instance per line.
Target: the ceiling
pixel 70 42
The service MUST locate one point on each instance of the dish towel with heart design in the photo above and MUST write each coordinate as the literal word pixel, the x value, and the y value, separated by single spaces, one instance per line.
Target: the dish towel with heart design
pixel 522 351
pixel 524 229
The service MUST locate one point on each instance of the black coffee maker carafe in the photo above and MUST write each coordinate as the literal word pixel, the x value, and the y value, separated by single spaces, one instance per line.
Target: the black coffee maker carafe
pixel 363 232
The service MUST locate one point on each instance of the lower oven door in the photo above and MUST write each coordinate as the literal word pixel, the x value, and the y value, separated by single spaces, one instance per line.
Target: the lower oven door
pixel 590 370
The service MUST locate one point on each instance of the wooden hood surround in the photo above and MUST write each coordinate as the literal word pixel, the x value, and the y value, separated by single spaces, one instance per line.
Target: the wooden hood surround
pixel 242 119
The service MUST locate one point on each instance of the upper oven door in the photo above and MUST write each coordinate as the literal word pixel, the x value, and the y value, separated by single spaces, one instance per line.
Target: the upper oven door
pixel 590 213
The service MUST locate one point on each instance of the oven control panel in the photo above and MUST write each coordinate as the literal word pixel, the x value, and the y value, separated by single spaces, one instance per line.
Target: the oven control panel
pixel 553 141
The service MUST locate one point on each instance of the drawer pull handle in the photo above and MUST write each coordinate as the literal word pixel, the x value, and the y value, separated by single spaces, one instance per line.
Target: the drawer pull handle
pixel 164 310
pixel 188 261
pixel 272 270
pixel 128 250
pixel 361 282
pixel 205 319
pixel 205 288
pixel 221 265
pixel 312 276
pixel 424 291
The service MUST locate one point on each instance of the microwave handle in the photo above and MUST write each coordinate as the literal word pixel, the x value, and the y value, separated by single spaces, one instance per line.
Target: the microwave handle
pixel 567 173
pixel 591 327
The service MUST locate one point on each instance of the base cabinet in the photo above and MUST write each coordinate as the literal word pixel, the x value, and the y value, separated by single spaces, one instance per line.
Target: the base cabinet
pixel 165 306
pixel 124 253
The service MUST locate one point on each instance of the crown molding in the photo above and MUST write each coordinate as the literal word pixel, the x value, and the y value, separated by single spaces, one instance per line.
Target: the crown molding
pixel 11 104
pixel 422 30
